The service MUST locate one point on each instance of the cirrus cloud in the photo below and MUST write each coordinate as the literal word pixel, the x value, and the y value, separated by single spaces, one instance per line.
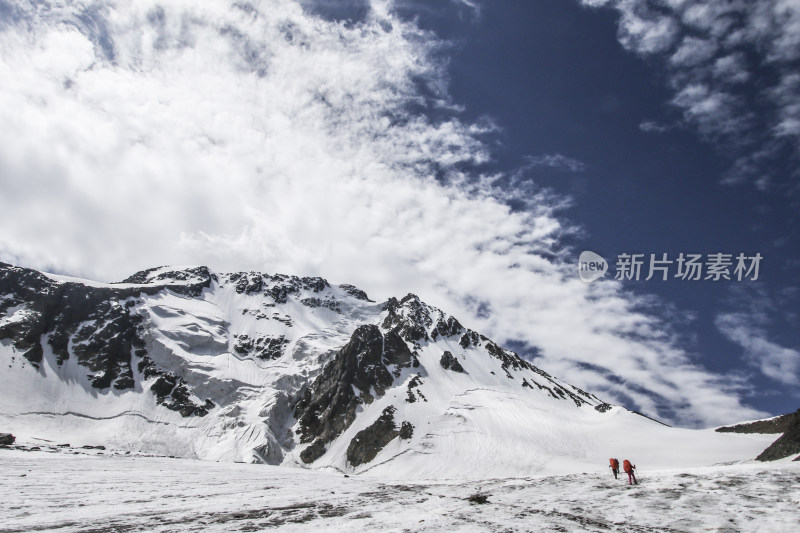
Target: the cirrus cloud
pixel 747 324
pixel 732 65
pixel 556 161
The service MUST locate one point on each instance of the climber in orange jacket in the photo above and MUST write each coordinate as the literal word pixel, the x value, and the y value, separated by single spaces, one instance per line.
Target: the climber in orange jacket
pixel 629 468
pixel 614 466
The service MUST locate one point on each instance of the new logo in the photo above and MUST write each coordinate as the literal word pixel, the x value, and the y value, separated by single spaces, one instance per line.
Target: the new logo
pixel 591 266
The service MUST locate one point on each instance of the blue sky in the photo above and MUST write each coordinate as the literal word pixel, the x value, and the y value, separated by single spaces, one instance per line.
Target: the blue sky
pixel 466 151
pixel 597 122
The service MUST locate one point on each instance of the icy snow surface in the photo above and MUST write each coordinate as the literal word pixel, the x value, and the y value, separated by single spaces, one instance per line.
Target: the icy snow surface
pixel 61 492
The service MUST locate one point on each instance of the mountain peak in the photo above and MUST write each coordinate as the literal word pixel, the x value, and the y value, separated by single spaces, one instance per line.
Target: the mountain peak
pixel 167 275
pixel 280 369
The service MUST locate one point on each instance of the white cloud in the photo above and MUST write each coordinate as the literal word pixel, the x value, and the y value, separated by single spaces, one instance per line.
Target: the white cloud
pixel 715 112
pixel 692 52
pixel 557 161
pixel 648 34
pixel 649 126
pixel 473 5
pixel 731 68
pixel 777 24
pixel 265 137
pixel 712 17
pixel 789 120
pixel 747 327
pixel 718 54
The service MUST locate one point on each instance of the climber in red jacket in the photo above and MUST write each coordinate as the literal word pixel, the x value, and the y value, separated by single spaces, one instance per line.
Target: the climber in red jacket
pixel 629 468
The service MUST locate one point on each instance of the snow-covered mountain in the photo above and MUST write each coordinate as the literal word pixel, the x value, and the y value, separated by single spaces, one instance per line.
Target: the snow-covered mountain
pixel 294 371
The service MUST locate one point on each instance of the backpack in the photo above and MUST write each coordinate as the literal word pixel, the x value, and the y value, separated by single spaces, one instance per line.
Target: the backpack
pixel 614 464
pixel 626 465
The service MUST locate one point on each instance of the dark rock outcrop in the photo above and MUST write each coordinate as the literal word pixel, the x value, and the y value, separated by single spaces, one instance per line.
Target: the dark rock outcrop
pixel 277 286
pixel 406 430
pixel 355 292
pixel 286 285
pixel 173 393
pixel 328 406
pixel 188 282
pixel 247 283
pixel 261 347
pixel 449 362
pixel 414 383
pixel 470 338
pixel 779 424
pixel 409 318
pixel 448 327
pixel 786 445
pixel 370 441
pixel 98 320
pixel 7 439
pixel 328 303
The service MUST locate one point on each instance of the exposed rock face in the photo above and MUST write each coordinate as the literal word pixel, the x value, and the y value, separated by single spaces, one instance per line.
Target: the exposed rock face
pixel 355 292
pixel 97 325
pixel 7 439
pixel 409 317
pixel 173 393
pixel 329 404
pixel 31 302
pixel 261 347
pixel 447 327
pixel 105 332
pixel 277 286
pixel 449 362
pixel 329 303
pixel 370 441
pixel 406 430
pixel 413 384
pixel 470 338
pixel 787 444
pixel 188 282
pixel 779 424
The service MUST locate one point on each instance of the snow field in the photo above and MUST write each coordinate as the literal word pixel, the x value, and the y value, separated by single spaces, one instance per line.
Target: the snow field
pixel 59 492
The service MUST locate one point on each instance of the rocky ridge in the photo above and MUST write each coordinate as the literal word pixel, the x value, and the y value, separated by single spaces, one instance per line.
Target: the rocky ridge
pixel 786 445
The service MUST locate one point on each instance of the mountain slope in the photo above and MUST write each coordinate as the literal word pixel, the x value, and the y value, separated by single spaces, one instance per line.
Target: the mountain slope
pixel 293 371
